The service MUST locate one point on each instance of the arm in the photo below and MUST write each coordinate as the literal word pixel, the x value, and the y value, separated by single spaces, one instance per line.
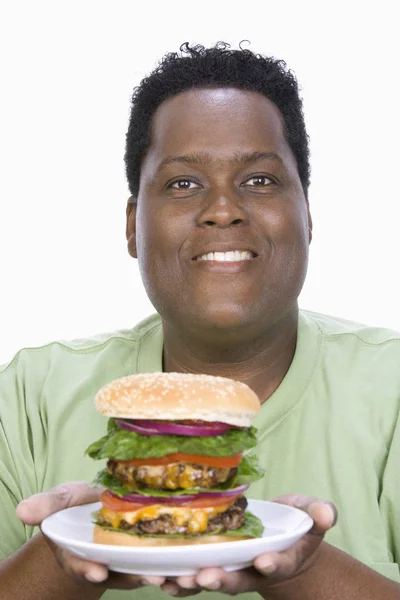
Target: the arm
pixel 39 569
pixel 310 570
pixel 334 576
pixel 33 572
pixel 32 568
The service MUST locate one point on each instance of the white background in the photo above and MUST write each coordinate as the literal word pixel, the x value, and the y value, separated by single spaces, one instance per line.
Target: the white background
pixel 68 70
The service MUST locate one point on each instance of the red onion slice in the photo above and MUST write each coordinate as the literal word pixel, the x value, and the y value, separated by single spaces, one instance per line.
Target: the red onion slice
pixel 157 428
pixel 140 499
pixel 136 428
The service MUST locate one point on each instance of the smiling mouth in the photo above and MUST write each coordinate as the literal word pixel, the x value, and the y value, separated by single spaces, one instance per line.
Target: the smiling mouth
pixel 231 256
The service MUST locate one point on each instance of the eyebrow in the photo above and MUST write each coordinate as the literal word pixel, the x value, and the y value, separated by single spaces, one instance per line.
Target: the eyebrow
pixel 204 158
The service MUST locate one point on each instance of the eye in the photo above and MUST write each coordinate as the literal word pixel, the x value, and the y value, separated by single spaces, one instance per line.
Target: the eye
pixel 258 181
pixel 183 184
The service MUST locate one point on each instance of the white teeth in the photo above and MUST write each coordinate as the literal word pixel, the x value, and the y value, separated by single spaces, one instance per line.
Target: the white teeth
pixel 231 256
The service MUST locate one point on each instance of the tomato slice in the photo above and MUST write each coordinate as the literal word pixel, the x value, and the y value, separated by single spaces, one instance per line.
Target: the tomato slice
pixel 119 505
pixel 223 462
pixel 207 502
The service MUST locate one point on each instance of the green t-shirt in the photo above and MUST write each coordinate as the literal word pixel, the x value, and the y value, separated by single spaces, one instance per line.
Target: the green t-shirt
pixel 330 430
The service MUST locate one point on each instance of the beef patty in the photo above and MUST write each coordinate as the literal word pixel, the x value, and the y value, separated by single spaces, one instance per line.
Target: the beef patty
pixel 232 518
pixel 169 477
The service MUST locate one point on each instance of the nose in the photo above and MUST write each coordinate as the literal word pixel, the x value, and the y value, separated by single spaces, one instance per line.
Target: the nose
pixel 221 210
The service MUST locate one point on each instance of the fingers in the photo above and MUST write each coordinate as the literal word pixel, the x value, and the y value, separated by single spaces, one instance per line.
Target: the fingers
pixel 187 582
pixel 84 570
pixel 233 582
pixel 182 586
pixel 213 579
pixel 279 565
pixel 173 589
pixel 323 512
pixel 80 569
pixel 324 515
pixel 272 566
pixel 297 558
pixel 129 582
pixel 35 509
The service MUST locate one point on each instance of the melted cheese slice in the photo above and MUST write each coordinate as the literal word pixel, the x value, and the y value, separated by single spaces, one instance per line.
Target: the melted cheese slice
pixel 195 519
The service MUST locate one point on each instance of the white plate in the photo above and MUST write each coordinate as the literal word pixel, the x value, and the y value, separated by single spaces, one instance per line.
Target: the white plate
pixel 72 529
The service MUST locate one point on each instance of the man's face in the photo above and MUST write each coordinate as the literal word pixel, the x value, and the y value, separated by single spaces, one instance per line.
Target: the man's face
pixel 222 226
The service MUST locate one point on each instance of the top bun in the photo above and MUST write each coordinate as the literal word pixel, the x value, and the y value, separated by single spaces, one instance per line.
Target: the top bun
pixel 178 396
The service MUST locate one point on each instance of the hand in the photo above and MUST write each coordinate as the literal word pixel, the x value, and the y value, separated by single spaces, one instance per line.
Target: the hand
pixel 36 508
pixel 270 568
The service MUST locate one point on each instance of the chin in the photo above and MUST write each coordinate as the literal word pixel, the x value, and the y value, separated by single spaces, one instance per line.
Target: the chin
pixel 228 319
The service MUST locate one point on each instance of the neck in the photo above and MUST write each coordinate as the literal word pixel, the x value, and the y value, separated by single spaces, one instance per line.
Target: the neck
pixel 261 362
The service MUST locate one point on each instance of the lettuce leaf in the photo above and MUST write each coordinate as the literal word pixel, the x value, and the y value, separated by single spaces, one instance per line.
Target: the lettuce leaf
pixel 125 445
pixel 252 527
pixel 249 470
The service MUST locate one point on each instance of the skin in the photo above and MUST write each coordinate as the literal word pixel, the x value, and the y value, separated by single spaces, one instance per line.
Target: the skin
pixel 237 320
pixel 308 570
pixel 84 573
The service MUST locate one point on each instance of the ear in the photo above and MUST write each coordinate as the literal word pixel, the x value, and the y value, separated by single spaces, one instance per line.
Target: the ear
pixel 131 226
pixel 310 223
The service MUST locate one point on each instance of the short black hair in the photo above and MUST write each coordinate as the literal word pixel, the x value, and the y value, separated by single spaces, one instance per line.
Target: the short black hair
pixel 218 66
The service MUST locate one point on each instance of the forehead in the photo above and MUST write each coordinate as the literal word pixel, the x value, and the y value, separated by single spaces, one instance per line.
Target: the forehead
pixel 217 121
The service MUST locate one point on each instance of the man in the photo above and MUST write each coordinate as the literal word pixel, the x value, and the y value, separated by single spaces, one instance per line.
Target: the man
pixel 217 164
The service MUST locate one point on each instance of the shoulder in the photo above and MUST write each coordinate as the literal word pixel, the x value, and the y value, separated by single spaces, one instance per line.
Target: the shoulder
pixel 81 350
pixel 335 329
pixel 361 348
pixel 358 365
pixel 358 348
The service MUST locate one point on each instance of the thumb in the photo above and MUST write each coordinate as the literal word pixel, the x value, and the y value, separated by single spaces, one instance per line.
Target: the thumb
pixel 323 513
pixel 36 508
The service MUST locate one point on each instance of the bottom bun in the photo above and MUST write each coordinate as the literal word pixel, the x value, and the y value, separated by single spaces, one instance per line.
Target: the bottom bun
pixel 117 538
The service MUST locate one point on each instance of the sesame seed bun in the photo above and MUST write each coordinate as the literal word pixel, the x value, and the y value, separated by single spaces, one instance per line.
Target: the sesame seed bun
pixel 117 538
pixel 178 396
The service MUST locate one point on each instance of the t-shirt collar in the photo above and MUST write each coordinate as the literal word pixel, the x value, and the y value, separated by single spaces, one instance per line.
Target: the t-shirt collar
pixel 286 396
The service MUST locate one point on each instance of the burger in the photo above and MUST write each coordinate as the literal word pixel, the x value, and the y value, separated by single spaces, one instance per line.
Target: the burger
pixel 179 460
